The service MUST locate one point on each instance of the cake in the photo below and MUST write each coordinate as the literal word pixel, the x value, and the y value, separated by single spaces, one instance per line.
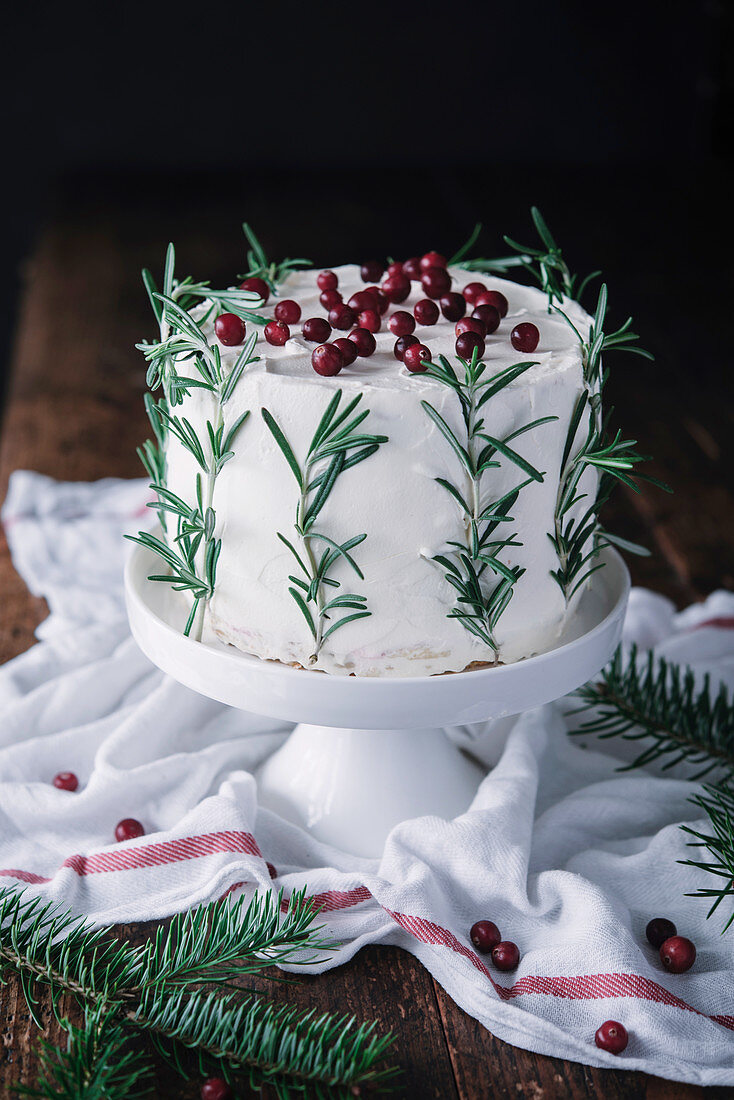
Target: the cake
pixel 428 507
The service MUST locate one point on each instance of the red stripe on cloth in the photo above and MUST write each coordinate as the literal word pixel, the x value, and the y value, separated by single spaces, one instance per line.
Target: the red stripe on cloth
pixel 24 876
pixel 163 852
pixel 722 622
pixel 340 899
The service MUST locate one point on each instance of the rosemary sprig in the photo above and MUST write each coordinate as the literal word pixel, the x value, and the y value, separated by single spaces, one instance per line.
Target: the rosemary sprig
pixel 598 341
pixel 258 264
pixel 483 583
pixel 337 444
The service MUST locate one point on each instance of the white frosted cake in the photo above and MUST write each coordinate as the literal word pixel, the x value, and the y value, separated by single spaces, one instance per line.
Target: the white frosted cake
pixel 421 533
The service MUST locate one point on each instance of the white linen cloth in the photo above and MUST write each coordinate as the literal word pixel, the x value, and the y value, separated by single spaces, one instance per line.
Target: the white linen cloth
pixel 568 856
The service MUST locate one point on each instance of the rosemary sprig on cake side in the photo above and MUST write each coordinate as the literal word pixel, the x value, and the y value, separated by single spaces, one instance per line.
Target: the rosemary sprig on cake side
pixel 483 582
pixel 259 267
pixel 336 446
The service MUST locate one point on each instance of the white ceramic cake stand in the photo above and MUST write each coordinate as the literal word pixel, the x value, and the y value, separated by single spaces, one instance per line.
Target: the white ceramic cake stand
pixel 368 753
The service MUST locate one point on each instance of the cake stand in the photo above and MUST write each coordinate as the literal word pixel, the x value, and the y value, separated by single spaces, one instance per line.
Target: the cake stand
pixel 368 753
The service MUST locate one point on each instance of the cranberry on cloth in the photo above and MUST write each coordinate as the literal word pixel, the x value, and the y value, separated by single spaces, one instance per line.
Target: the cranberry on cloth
pixel 569 857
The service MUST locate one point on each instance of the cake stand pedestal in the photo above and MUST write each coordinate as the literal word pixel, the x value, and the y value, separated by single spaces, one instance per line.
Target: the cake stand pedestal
pixel 368 753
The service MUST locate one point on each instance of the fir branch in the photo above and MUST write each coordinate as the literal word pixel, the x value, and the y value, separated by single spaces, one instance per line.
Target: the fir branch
pixel 717 802
pixel 259 266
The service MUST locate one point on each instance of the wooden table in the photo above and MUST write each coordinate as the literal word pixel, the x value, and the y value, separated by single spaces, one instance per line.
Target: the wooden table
pixel 75 412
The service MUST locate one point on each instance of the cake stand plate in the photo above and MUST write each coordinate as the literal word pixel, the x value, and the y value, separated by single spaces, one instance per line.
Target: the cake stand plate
pixel 368 753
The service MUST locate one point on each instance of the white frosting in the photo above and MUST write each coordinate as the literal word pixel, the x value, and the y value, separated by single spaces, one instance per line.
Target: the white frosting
pixel 392 496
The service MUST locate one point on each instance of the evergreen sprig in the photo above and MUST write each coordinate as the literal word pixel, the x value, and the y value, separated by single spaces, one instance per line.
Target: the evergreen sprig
pixel 259 266
pixel 717 802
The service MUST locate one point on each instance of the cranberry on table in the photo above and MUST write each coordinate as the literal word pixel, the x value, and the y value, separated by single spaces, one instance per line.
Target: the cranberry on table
pixel 416 358
pixel 288 311
pixel 396 287
pixel 66 781
pixel 128 829
pixel 472 291
pixel 493 298
pixel 677 954
pixel 470 324
pixel 484 935
pixel 394 268
pixel 436 282
pixel 401 323
pixel 330 299
pixel 327 280
pixel 363 340
pixel 347 348
pixel 658 930
pixel 216 1088
pixel 453 306
pixel 612 1037
pixel 432 259
pixel 382 300
pixel 412 269
pixel 257 286
pixel 402 344
pixel 327 360
pixel 372 271
pixel 489 315
pixel 229 329
pixel 363 299
pixel 370 319
pixel 317 330
pixel 467 342
pixel 276 333
pixel 341 317
pixel 506 955
pixel 425 312
pixel 524 337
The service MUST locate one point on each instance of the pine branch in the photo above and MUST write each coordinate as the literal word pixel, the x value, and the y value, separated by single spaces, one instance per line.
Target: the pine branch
pixel 718 804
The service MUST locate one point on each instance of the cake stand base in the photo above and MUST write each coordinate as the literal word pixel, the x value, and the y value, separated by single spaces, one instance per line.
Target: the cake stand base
pixel 350 787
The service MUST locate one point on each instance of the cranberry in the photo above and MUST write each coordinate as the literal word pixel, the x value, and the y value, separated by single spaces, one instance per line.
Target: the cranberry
pixel 466 343
pixel 396 287
pixel 381 298
pixel 363 340
pixel 363 299
pixel 327 280
pixel 470 324
pixel 677 954
pixel 505 955
pixel 436 282
pixel 327 359
pixel 425 312
pixel 524 337
pixel 257 286
pixel 401 323
pixel 416 358
pixel 493 298
pixel 316 329
pixel 288 311
pixel 348 350
pixel 412 269
pixel 66 781
pixel 658 930
pixel 229 329
pixel 489 315
pixel 372 271
pixel 276 333
pixel 453 306
pixel 612 1037
pixel 395 268
pixel 341 317
pixel 215 1088
pixel 484 935
pixel 432 259
pixel 402 344
pixel 128 829
pixel 330 299
pixel 370 319
pixel 472 291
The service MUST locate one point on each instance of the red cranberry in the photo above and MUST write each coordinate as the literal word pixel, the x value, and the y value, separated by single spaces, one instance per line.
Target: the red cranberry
pixel 472 291
pixel 489 315
pixel 401 323
pixel 396 287
pixel 453 306
pixel 372 271
pixel 348 350
pixel 229 329
pixel 370 319
pixel 288 311
pixel 330 299
pixel 485 935
pixel 363 340
pixel 466 343
pixel 412 269
pixel 436 282
pixel 317 330
pixel 327 280
pixel 327 359
pixel 416 357
pixel 677 954
pixel 524 337
pixel 66 781
pixel 395 268
pixel 215 1088
pixel 493 298
pixel 402 344
pixel 363 299
pixel 341 317
pixel 425 312
pixel 470 324
pixel 432 259
pixel 257 286
pixel 128 829
pixel 276 333
pixel 612 1037
pixel 383 302
pixel 658 930
pixel 505 955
